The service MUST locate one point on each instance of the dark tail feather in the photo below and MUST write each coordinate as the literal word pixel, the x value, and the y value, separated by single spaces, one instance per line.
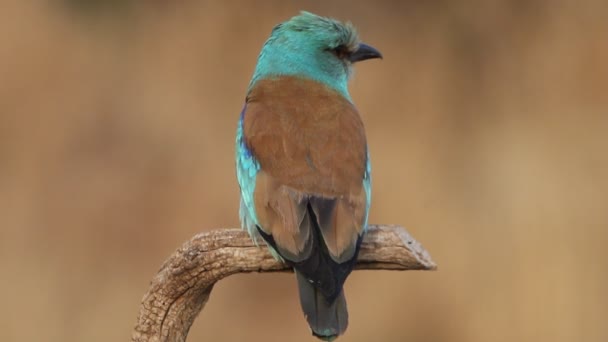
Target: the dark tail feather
pixel 326 320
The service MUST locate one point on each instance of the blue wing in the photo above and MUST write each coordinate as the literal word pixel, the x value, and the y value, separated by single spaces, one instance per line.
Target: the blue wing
pixel 367 186
pixel 247 168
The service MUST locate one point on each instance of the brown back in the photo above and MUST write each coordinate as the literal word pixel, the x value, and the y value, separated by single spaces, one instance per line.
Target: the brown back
pixel 310 143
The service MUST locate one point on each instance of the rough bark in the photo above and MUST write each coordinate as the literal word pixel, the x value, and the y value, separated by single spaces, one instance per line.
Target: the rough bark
pixel 182 286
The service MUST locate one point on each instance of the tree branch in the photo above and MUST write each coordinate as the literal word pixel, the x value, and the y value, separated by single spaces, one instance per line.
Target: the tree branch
pixel 182 286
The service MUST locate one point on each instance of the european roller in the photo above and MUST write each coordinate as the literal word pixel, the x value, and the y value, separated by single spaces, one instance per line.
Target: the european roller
pixel 302 161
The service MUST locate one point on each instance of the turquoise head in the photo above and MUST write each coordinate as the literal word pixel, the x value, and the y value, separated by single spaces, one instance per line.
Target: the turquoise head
pixel 314 47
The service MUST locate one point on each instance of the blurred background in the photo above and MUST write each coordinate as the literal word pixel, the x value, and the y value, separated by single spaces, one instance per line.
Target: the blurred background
pixel 487 123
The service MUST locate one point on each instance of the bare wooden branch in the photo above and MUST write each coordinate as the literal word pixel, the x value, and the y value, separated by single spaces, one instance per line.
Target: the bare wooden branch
pixel 182 286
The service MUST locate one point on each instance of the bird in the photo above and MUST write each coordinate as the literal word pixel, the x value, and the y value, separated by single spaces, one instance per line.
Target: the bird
pixel 302 161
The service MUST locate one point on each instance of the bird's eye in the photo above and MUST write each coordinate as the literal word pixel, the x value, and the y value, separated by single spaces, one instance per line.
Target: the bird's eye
pixel 341 51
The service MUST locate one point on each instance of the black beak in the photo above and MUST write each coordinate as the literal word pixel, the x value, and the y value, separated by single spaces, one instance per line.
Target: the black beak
pixel 364 52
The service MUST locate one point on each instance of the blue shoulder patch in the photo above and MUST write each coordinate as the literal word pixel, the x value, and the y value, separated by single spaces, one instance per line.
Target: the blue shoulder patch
pixel 247 168
pixel 367 186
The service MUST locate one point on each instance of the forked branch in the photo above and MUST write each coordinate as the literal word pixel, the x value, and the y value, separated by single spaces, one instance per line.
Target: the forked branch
pixel 182 286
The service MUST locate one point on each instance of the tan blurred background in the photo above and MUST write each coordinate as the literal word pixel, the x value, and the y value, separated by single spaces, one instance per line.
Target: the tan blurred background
pixel 487 122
